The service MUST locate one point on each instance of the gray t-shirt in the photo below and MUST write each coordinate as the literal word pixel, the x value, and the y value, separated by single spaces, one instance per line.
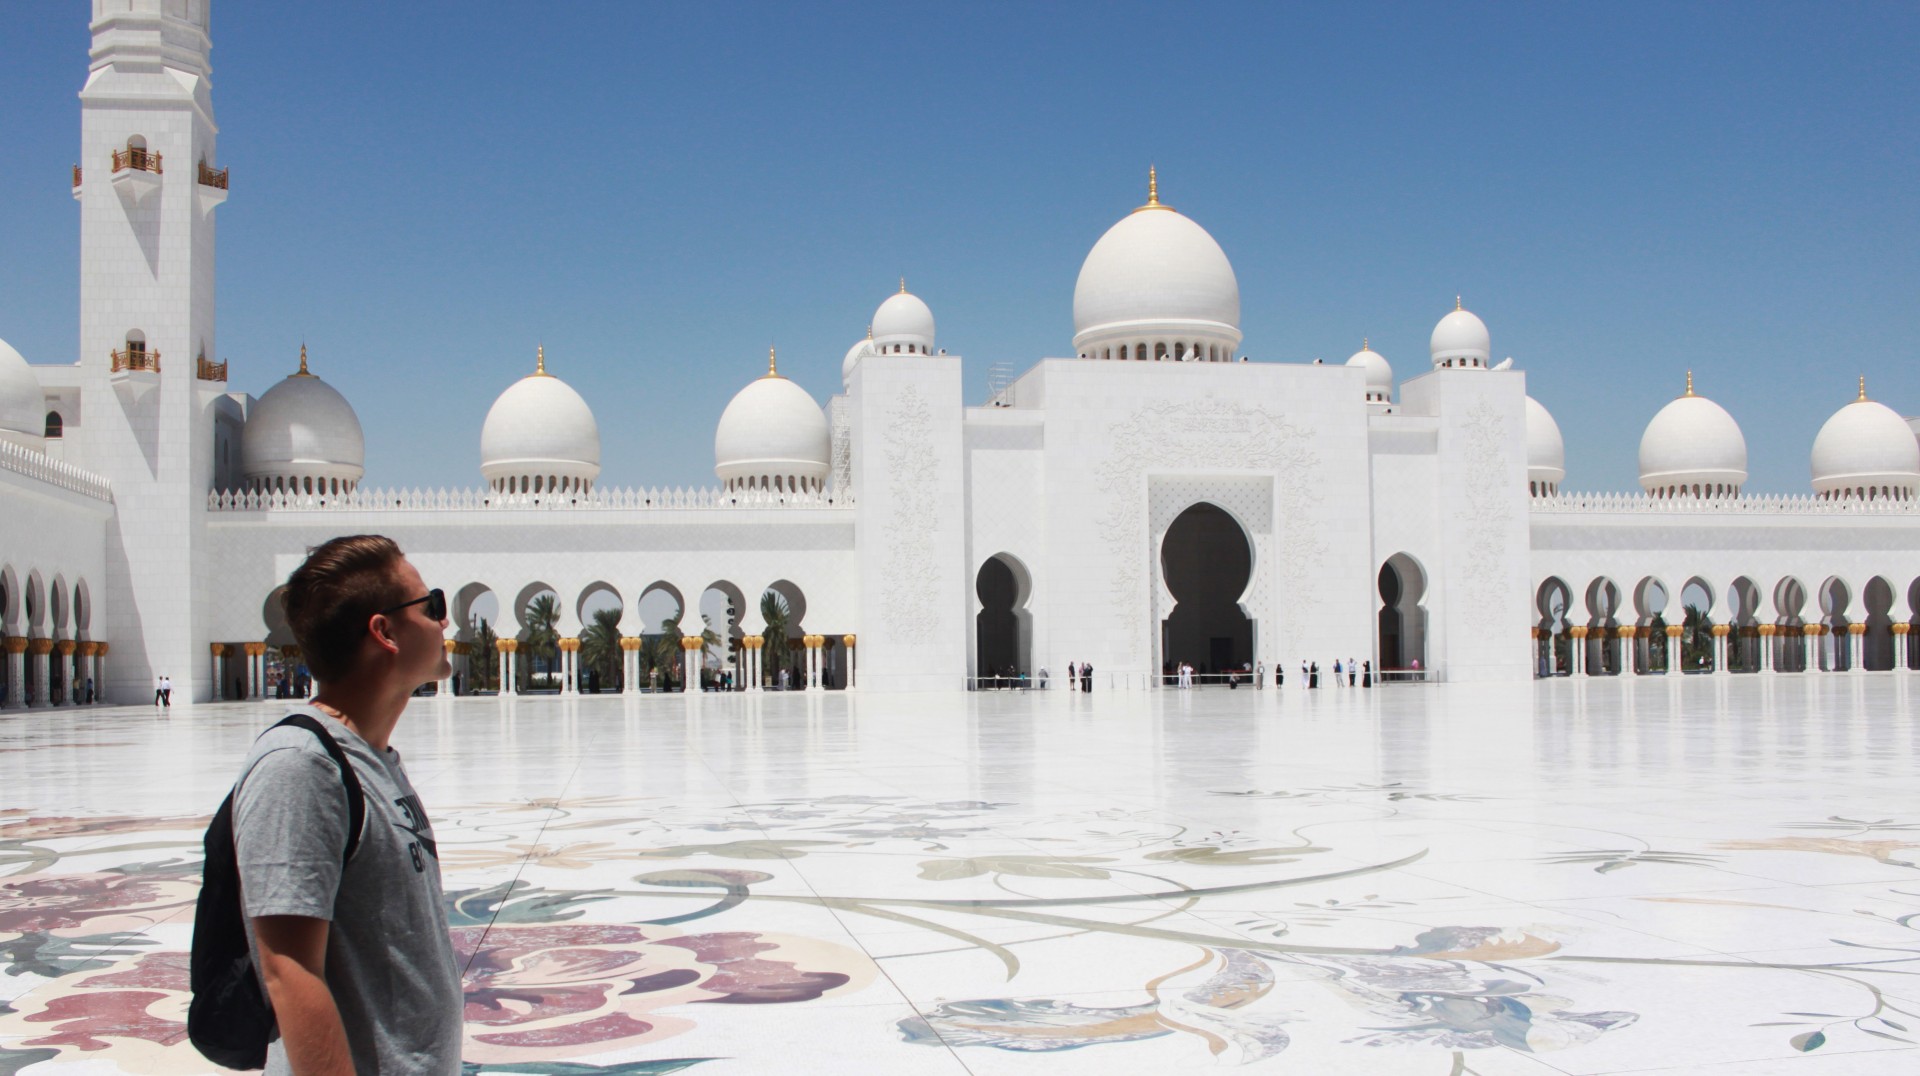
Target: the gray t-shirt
pixel 390 963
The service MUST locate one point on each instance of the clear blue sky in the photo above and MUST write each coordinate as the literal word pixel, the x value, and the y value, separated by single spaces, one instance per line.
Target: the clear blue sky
pixel 423 192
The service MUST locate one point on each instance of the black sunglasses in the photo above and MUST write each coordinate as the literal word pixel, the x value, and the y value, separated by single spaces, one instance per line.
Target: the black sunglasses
pixel 436 600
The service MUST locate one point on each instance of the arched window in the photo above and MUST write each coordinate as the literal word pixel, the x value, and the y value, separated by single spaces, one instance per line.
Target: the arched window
pixel 56 426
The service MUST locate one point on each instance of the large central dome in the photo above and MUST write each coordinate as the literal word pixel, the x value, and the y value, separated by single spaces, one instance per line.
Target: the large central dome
pixel 1156 286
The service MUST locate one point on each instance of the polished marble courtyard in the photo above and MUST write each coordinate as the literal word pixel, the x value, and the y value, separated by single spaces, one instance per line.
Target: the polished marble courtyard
pixel 1709 875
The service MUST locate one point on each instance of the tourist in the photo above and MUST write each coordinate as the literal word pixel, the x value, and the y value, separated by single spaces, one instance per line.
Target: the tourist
pixel 1313 675
pixel 89 690
pixel 1279 674
pixel 166 691
pixel 1350 672
pixel 159 689
pixel 1086 676
pixel 1260 675
pixel 1366 673
pixel 1336 672
pixel 1043 677
pixel 355 959
pixel 1073 676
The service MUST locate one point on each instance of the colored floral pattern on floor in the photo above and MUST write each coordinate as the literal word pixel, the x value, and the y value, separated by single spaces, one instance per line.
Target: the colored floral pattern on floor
pixel 1429 928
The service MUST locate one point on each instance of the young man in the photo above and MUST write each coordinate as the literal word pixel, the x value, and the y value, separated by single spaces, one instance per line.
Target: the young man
pixel 355 960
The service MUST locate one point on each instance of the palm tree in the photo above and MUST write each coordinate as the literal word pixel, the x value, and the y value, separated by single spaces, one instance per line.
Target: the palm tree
pixel 775 611
pixel 543 634
pixel 600 646
pixel 482 667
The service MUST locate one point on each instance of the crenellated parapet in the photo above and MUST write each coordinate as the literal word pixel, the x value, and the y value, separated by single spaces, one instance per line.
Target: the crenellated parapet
pixel 486 500
pixel 1777 504
pixel 54 472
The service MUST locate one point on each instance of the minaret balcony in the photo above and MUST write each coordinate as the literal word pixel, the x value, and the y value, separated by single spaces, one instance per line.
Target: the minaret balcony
pixel 211 190
pixel 136 173
pixel 134 374
pixel 207 370
pixel 76 182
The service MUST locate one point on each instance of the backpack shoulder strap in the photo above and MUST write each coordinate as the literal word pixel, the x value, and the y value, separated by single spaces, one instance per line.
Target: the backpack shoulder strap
pixel 356 799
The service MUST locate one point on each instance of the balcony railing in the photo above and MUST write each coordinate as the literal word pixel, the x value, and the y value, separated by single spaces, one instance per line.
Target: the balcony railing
pixel 141 361
pixel 76 175
pixel 138 159
pixel 211 177
pixel 208 370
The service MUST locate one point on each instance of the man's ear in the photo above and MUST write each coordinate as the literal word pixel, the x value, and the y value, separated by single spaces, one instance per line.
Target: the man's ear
pixel 380 629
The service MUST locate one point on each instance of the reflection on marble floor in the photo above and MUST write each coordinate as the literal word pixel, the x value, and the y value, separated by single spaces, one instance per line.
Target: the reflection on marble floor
pixel 1709 875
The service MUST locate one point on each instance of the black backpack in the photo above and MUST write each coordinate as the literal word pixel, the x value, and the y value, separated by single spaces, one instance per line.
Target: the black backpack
pixel 230 1021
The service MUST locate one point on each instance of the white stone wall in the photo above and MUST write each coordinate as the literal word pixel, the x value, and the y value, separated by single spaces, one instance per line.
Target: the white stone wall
pixel 1478 609
pixel 1006 492
pixel 910 479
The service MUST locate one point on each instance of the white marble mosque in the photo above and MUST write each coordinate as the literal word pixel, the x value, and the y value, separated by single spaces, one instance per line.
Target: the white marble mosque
pixel 1630 790
pixel 1150 499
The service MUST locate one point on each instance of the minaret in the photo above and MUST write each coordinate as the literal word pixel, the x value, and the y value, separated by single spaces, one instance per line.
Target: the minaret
pixel 148 182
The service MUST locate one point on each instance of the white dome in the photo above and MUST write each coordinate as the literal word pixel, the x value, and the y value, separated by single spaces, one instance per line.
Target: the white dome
pixel 1379 371
pixel 1158 279
pixel 300 433
pixel 1546 450
pixel 1461 340
pixel 1693 448
pixel 772 436
pixel 903 323
pixel 540 436
pixel 854 354
pixel 1866 449
pixel 23 405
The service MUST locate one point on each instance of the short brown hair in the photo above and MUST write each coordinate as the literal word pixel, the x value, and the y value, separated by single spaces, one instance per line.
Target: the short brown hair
pixel 330 597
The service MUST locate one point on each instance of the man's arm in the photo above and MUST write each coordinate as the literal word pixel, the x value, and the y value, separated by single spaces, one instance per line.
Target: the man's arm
pixel 293 963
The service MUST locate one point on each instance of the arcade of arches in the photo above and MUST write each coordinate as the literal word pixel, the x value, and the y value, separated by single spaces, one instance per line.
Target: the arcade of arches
pixel 48 655
pixel 1748 626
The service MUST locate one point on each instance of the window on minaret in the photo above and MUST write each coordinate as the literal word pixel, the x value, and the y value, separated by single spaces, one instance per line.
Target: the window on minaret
pixel 56 426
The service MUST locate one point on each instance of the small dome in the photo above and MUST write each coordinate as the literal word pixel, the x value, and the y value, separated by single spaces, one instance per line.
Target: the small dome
pixel 1156 280
pixel 1866 450
pixel 903 325
pixel 854 354
pixel 1693 448
pixel 302 436
pixel 1546 451
pixel 1379 372
pixel 772 436
pixel 23 404
pixel 1461 340
pixel 540 436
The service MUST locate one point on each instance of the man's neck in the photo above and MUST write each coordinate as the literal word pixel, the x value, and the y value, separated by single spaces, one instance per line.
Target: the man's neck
pixel 370 714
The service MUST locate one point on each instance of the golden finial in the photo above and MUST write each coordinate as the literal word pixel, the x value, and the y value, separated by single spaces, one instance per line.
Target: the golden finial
pixel 1689 382
pixel 1456 302
pixel 1863 389
pixel 772 371
pixel 1366 344
pixel 869 331
pixel 903 285
pixel 1153 190
pixel 303 361
pixel 540 361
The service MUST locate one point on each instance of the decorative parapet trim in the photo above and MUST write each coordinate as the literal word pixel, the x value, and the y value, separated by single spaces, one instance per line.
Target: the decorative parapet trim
pixel 1777 504
pixel 54 472
pixel 486 500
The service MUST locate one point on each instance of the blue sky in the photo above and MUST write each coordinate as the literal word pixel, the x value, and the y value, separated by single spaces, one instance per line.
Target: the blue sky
pixel 424 192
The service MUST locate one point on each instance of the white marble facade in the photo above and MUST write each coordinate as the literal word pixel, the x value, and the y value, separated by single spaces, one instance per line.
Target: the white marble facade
pixel 143 532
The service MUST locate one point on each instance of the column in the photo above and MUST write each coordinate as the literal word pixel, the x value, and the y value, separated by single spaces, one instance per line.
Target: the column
pixel 1812 634
pixel 1628 665
pixel 1722 640
pixel 100 672
pixel 629 683
pixel 1674 664
pixel 452 647
pixel 1766 649
pixel 813 661
pixel 852 681
pixel 752 645
pixel 505 648
pixel 217 656
pixel 690 647
pixel 1900 644
pixel 1579 633
pixel 1856 648
pixel 37 650
pixel 65 663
